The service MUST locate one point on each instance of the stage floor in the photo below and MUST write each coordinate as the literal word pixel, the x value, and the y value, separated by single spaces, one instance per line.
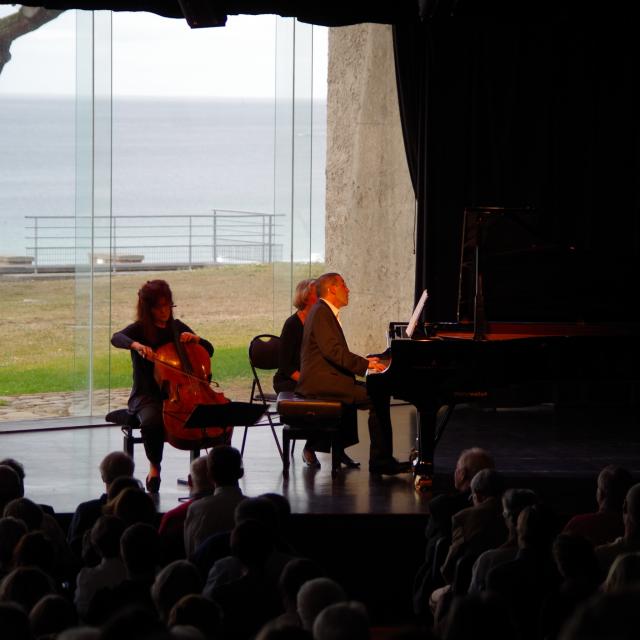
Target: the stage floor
pixel 555 452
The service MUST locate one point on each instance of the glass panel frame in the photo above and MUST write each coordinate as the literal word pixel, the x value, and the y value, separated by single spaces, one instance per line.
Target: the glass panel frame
pixel 92 207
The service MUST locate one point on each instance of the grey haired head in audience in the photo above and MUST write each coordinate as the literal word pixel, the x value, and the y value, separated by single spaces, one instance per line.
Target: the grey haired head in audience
pixel 79 633
pixel 314 595
pixel 342 621
pixel 487 483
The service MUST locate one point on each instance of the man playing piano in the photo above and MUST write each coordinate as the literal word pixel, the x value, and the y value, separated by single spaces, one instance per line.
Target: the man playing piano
pixel 328 370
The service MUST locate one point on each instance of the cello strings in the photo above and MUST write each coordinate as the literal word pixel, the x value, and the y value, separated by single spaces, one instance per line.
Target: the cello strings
pixel 187 375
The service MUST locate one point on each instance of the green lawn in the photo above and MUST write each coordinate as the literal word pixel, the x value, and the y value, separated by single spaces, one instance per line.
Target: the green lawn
pixel 57 374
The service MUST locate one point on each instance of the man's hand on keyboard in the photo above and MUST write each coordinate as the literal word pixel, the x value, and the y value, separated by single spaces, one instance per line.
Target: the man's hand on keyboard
pixel 375 364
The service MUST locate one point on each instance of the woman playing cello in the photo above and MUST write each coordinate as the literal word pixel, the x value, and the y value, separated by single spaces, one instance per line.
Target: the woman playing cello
pixel 152 329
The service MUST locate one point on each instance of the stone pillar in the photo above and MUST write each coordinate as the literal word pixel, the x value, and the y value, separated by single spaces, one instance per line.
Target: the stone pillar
pixel 369 199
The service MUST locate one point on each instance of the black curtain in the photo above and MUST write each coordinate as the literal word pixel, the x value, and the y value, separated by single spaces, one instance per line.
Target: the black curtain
pixel 516 113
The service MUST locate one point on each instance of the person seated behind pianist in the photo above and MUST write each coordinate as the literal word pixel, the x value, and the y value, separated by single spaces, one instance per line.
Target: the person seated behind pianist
pixel 288 373
pixel 328 370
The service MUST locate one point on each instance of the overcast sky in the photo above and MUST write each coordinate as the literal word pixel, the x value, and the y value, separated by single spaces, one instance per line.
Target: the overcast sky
pixel 162 57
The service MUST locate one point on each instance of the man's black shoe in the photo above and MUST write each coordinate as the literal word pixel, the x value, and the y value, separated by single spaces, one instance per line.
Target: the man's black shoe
pixel 348 462
pixel 389 467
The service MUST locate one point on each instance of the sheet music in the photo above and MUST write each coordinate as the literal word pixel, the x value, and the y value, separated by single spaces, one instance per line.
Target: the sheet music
pixel 415 316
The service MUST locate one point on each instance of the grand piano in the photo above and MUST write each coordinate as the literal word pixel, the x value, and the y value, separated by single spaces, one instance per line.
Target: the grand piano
pixel 579 348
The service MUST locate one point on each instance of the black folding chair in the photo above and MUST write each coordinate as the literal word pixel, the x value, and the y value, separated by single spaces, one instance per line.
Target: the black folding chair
pixel 263 357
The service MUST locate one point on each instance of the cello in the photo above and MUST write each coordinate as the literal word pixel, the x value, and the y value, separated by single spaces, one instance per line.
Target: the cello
pixel 183 372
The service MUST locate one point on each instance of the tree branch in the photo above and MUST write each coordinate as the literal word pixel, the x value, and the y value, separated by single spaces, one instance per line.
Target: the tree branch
pixel 25 20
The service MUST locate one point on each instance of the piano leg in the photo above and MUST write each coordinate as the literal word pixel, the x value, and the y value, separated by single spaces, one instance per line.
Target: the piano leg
pixel 426 434
pixel 432 419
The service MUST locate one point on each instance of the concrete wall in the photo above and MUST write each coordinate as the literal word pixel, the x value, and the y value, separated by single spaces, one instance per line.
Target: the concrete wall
pixel 370 201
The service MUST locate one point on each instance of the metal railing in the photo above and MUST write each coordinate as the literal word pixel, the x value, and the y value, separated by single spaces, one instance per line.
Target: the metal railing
pixel 132 241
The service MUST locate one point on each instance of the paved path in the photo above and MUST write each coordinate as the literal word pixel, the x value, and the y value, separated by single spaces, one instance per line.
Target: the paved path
pixel 34 406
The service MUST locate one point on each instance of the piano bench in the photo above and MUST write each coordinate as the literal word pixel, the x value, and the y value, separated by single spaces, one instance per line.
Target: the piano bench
pixel 302 418
pixel 127 423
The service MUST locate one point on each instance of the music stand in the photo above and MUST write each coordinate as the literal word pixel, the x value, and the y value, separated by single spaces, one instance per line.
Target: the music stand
pixel 229 413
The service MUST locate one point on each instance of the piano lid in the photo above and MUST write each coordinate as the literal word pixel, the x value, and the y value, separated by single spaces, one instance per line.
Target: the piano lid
pixel 525 278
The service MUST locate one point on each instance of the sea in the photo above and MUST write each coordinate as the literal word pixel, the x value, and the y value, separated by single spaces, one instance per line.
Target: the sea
pixel 170 156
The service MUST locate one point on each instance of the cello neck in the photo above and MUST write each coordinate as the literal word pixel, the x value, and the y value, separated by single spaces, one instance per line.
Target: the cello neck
pixel 181 351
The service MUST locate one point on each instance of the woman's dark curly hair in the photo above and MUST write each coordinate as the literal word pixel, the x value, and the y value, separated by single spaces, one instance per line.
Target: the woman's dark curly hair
pixel 150 294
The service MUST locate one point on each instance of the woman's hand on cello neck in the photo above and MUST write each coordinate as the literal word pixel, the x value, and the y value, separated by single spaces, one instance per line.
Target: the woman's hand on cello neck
pixel 185 336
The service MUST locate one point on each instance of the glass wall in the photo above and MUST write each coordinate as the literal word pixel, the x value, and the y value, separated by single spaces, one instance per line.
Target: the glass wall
pixel 191 156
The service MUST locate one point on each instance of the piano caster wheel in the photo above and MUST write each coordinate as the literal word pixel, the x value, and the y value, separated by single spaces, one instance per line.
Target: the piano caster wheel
pixel 423 484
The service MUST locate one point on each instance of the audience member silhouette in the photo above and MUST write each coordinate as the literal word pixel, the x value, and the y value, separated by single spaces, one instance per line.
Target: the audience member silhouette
pixel 186 632
pixel 276 630
pixel 199 612
pixel 105 536
pixel 314 596
pixel 524 581
pixel 624 573
pixel 607 616
pixel 630 541
pixel 171 528
pixel 295 573
pixel 14 622
pixel 438 531
pixel 80 633
pixel 35 550
pixel 216 547
pixel 283 521
pixel 114 465
pixel 11 530
pixel 581 578
pixel 605 525
pixel 51 615
pixel 10 486
pixel 36 520
pixel 116 488
pixel 479 616
pixel 134 622
pixel 474 530
pixel 134 506
pixel 178 579
pixel 251 543
pixel 140 552
pixel 513 502
pixel 479 527
pixel 25 586
pixel 27 511
pixel 18 467
pixel 263 510
pixel 215 513
pixel 342 621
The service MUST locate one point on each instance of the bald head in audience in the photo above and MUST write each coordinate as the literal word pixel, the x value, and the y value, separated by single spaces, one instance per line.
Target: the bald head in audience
pixel 469 463
pixel 199 482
